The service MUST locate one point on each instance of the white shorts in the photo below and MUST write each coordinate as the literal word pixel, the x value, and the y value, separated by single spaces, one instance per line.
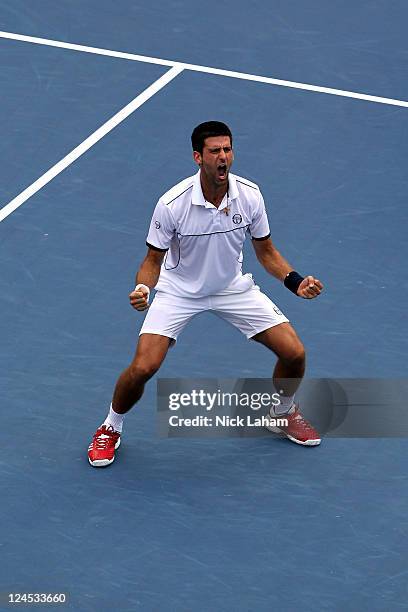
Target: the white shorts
pixel 251 312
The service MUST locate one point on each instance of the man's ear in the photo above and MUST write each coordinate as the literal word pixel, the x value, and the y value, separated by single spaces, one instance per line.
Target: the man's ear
pixel 197 158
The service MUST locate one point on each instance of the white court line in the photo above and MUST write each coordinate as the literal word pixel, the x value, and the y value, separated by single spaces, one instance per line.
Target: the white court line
pixel 90 141
pixel 206 69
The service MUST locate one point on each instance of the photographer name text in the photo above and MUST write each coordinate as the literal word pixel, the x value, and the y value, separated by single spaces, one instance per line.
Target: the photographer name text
pixel 227 421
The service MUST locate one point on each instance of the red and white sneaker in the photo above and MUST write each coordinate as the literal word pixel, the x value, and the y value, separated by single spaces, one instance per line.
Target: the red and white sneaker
pixel 101 450
pixel 297 429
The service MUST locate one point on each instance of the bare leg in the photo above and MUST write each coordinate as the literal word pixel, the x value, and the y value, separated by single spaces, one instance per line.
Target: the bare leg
pixel 150 353
pixel 290 367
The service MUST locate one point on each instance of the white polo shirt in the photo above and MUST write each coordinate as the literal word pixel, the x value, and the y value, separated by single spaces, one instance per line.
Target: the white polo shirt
pixel 203 243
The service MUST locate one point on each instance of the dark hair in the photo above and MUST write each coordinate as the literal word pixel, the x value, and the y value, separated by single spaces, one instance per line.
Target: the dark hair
pixel 206 130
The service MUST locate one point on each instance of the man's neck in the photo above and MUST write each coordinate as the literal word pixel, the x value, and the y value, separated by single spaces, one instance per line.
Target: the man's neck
pixel 213 193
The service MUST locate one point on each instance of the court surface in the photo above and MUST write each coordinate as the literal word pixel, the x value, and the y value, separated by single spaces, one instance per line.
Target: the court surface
pixel 198 525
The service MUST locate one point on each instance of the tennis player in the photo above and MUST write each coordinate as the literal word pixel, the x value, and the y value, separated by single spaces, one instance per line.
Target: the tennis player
pixel 194 262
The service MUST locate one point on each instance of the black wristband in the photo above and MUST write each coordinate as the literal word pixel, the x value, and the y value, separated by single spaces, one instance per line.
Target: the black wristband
pixel 292 281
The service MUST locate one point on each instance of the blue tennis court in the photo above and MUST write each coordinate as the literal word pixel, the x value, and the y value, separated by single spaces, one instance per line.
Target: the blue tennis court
pixel 243 525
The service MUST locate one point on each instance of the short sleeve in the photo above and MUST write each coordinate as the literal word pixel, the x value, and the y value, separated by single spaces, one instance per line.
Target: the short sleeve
pixel 162 228
pixel 259 228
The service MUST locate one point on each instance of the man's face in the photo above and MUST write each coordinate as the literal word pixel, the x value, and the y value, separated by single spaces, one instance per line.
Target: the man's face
pixel 216 159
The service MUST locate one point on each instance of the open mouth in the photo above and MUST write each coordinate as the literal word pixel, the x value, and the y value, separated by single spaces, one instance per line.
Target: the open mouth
pixel 222 171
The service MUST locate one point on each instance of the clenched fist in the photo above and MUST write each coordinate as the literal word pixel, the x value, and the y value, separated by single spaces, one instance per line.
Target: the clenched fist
pixel 309 288
pixel 139 298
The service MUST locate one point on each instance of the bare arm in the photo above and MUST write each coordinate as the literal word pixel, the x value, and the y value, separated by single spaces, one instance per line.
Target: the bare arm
pixel 270 258
pixel 149 270
pixel 273 262
pixel 148 274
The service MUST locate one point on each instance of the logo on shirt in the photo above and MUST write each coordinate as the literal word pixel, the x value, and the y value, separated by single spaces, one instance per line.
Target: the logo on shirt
pixel 237 219
pixel 157 225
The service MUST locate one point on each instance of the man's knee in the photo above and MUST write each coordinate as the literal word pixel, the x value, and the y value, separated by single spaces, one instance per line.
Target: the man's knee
pixel 294 354
pixel 150 352
pixel 142 372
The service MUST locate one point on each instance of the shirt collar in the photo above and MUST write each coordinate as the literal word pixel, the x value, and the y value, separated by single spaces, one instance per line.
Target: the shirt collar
pixel 198 198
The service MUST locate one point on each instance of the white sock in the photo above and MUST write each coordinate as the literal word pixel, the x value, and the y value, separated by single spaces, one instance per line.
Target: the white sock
pixel 114 419
pixel 286 406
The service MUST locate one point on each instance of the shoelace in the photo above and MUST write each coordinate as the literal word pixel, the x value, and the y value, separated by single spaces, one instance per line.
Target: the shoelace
pixel 102 440
pixel 302 421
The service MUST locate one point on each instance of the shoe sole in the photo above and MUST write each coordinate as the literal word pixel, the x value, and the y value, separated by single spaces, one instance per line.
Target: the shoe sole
pixel 104 462
pixel 276 430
